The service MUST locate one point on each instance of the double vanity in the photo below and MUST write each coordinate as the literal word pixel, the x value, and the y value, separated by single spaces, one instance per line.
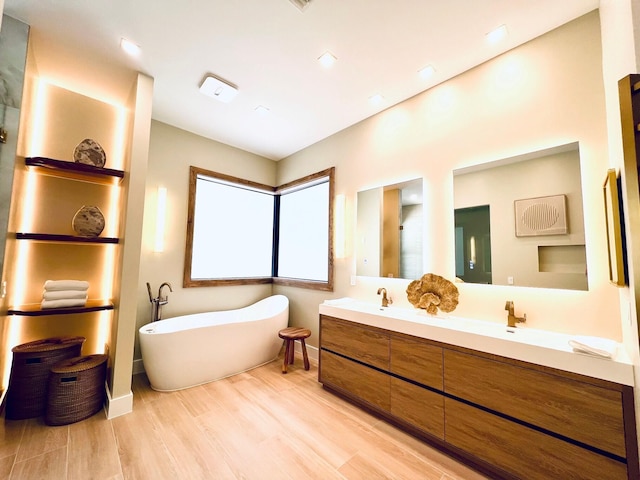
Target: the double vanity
pixel 513 402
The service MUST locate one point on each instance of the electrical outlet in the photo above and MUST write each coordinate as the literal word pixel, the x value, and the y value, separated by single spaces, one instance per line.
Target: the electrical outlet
pixel 353 280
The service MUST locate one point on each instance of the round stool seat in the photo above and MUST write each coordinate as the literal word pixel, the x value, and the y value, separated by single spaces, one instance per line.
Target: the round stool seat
pixel 290 335
pixel 294 333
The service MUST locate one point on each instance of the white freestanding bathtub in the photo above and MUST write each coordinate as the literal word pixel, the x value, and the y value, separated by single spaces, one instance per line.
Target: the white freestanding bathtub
pixel 190 350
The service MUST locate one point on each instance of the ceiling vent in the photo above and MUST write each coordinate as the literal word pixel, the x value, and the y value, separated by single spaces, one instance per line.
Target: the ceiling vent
pixel 301 4
pixel 218 88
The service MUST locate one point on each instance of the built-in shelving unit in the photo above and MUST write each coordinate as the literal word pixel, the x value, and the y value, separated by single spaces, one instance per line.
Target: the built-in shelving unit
pixel 70 171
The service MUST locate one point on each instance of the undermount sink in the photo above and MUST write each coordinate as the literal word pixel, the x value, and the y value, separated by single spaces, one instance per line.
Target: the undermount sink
pixel 521 343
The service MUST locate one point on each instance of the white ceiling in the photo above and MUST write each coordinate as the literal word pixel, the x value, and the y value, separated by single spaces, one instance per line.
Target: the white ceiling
pixel 269 49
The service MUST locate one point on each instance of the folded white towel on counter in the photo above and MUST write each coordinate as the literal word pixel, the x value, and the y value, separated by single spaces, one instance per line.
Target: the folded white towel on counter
pixel 55 285
pixel 71 302
pixel 601 347
pixel 64 294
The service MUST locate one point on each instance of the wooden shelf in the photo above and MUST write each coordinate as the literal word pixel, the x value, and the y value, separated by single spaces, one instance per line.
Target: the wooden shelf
pixel 52 237
pixel 75 171
pixel 34 310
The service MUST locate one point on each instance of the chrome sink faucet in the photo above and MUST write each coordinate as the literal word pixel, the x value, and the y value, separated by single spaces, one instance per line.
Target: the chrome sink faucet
pixel 386 301
pixel 511 317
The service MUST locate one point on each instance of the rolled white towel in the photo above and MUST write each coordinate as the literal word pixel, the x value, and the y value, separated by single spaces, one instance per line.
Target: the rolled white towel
pixel 72 302
pixel 600 347
pixel 64 294
pixel 55 285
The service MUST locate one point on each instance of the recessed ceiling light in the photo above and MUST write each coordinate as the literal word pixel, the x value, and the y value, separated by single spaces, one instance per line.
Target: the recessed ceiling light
pixel 129 47
pixel 219 89
pixel 376 99
pixel 427 71
pixel 262 110
pixel 500 33
pixel 327 59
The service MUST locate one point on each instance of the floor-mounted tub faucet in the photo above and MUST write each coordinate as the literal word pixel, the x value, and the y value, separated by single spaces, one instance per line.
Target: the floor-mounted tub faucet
pixel 156 303
pixel 386 301
pixel 511 317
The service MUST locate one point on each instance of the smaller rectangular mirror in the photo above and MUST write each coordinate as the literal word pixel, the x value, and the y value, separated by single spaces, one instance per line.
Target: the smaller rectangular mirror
pixel 389 231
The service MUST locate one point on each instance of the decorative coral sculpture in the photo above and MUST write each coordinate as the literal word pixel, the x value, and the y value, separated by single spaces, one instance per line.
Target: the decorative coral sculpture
pixel 433 292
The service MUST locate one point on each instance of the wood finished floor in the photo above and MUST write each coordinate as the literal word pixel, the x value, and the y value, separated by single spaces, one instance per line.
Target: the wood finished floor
pixel 258 425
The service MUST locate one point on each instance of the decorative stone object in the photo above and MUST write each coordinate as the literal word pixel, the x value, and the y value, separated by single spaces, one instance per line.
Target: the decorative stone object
pixel 90 152
pixel 433 292
pixel 88 221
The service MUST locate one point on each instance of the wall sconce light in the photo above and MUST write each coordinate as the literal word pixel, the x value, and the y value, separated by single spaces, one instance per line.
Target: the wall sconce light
pixel 339 221
pixel 472 253
pixel 161 211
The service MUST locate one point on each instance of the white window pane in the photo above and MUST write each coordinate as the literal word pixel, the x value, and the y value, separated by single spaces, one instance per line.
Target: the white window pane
pixel 304 234
pixel 232 232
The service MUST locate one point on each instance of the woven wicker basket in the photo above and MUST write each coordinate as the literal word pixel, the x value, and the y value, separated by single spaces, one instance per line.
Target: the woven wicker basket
pixel 27 391
pixel 76 389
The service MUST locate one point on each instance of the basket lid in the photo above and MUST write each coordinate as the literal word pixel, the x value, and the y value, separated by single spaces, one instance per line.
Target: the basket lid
pixel 48 344
pixel 79 364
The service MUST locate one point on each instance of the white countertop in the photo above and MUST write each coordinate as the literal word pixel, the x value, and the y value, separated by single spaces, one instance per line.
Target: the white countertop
pixel 540 347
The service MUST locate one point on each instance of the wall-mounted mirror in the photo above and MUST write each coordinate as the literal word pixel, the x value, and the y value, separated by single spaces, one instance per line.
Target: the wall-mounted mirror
pixel 519 221
pixel 389 231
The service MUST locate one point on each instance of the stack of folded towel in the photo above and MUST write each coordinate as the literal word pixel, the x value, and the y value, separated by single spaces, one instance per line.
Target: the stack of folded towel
pixel 64 293
pixel 599 347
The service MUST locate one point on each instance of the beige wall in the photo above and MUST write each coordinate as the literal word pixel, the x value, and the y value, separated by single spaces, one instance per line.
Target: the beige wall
pixel 543 94
pixel 172 151
pixel 621 56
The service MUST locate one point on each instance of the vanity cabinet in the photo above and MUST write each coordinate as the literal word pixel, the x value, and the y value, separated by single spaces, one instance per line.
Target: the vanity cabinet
pixel 361 344
pixel 577 410
pixel 523 451
pixel 508 418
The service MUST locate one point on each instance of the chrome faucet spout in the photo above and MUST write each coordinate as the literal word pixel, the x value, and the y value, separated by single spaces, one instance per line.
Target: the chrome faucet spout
pixel 165 284
pixel 159 301
pixel 386 301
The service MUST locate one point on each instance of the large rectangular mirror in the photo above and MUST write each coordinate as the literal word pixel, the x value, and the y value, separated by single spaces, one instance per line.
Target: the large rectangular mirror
pixel 519 221
pixel 389 231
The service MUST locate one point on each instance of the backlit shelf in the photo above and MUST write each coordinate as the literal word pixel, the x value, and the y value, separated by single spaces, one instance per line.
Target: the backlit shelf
pixel 52 237
pixel 34 310
pixel 75 171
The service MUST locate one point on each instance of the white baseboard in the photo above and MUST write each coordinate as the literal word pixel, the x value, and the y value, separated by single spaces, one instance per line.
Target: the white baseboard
pixel 138 367
pixel 311 351
pixel 116 407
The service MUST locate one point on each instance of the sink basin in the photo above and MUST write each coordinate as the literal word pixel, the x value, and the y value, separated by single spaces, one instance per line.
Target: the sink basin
pixel 521 343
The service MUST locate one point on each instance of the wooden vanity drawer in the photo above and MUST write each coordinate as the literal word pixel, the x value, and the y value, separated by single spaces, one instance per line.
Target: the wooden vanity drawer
pixel 363 382
pixel 417 360
pixel 521 451
pixel 360 343
pixel 418 406
pixel 587 413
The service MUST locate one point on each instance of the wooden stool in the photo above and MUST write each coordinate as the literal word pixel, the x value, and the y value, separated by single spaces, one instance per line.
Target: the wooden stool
pixel 290 335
